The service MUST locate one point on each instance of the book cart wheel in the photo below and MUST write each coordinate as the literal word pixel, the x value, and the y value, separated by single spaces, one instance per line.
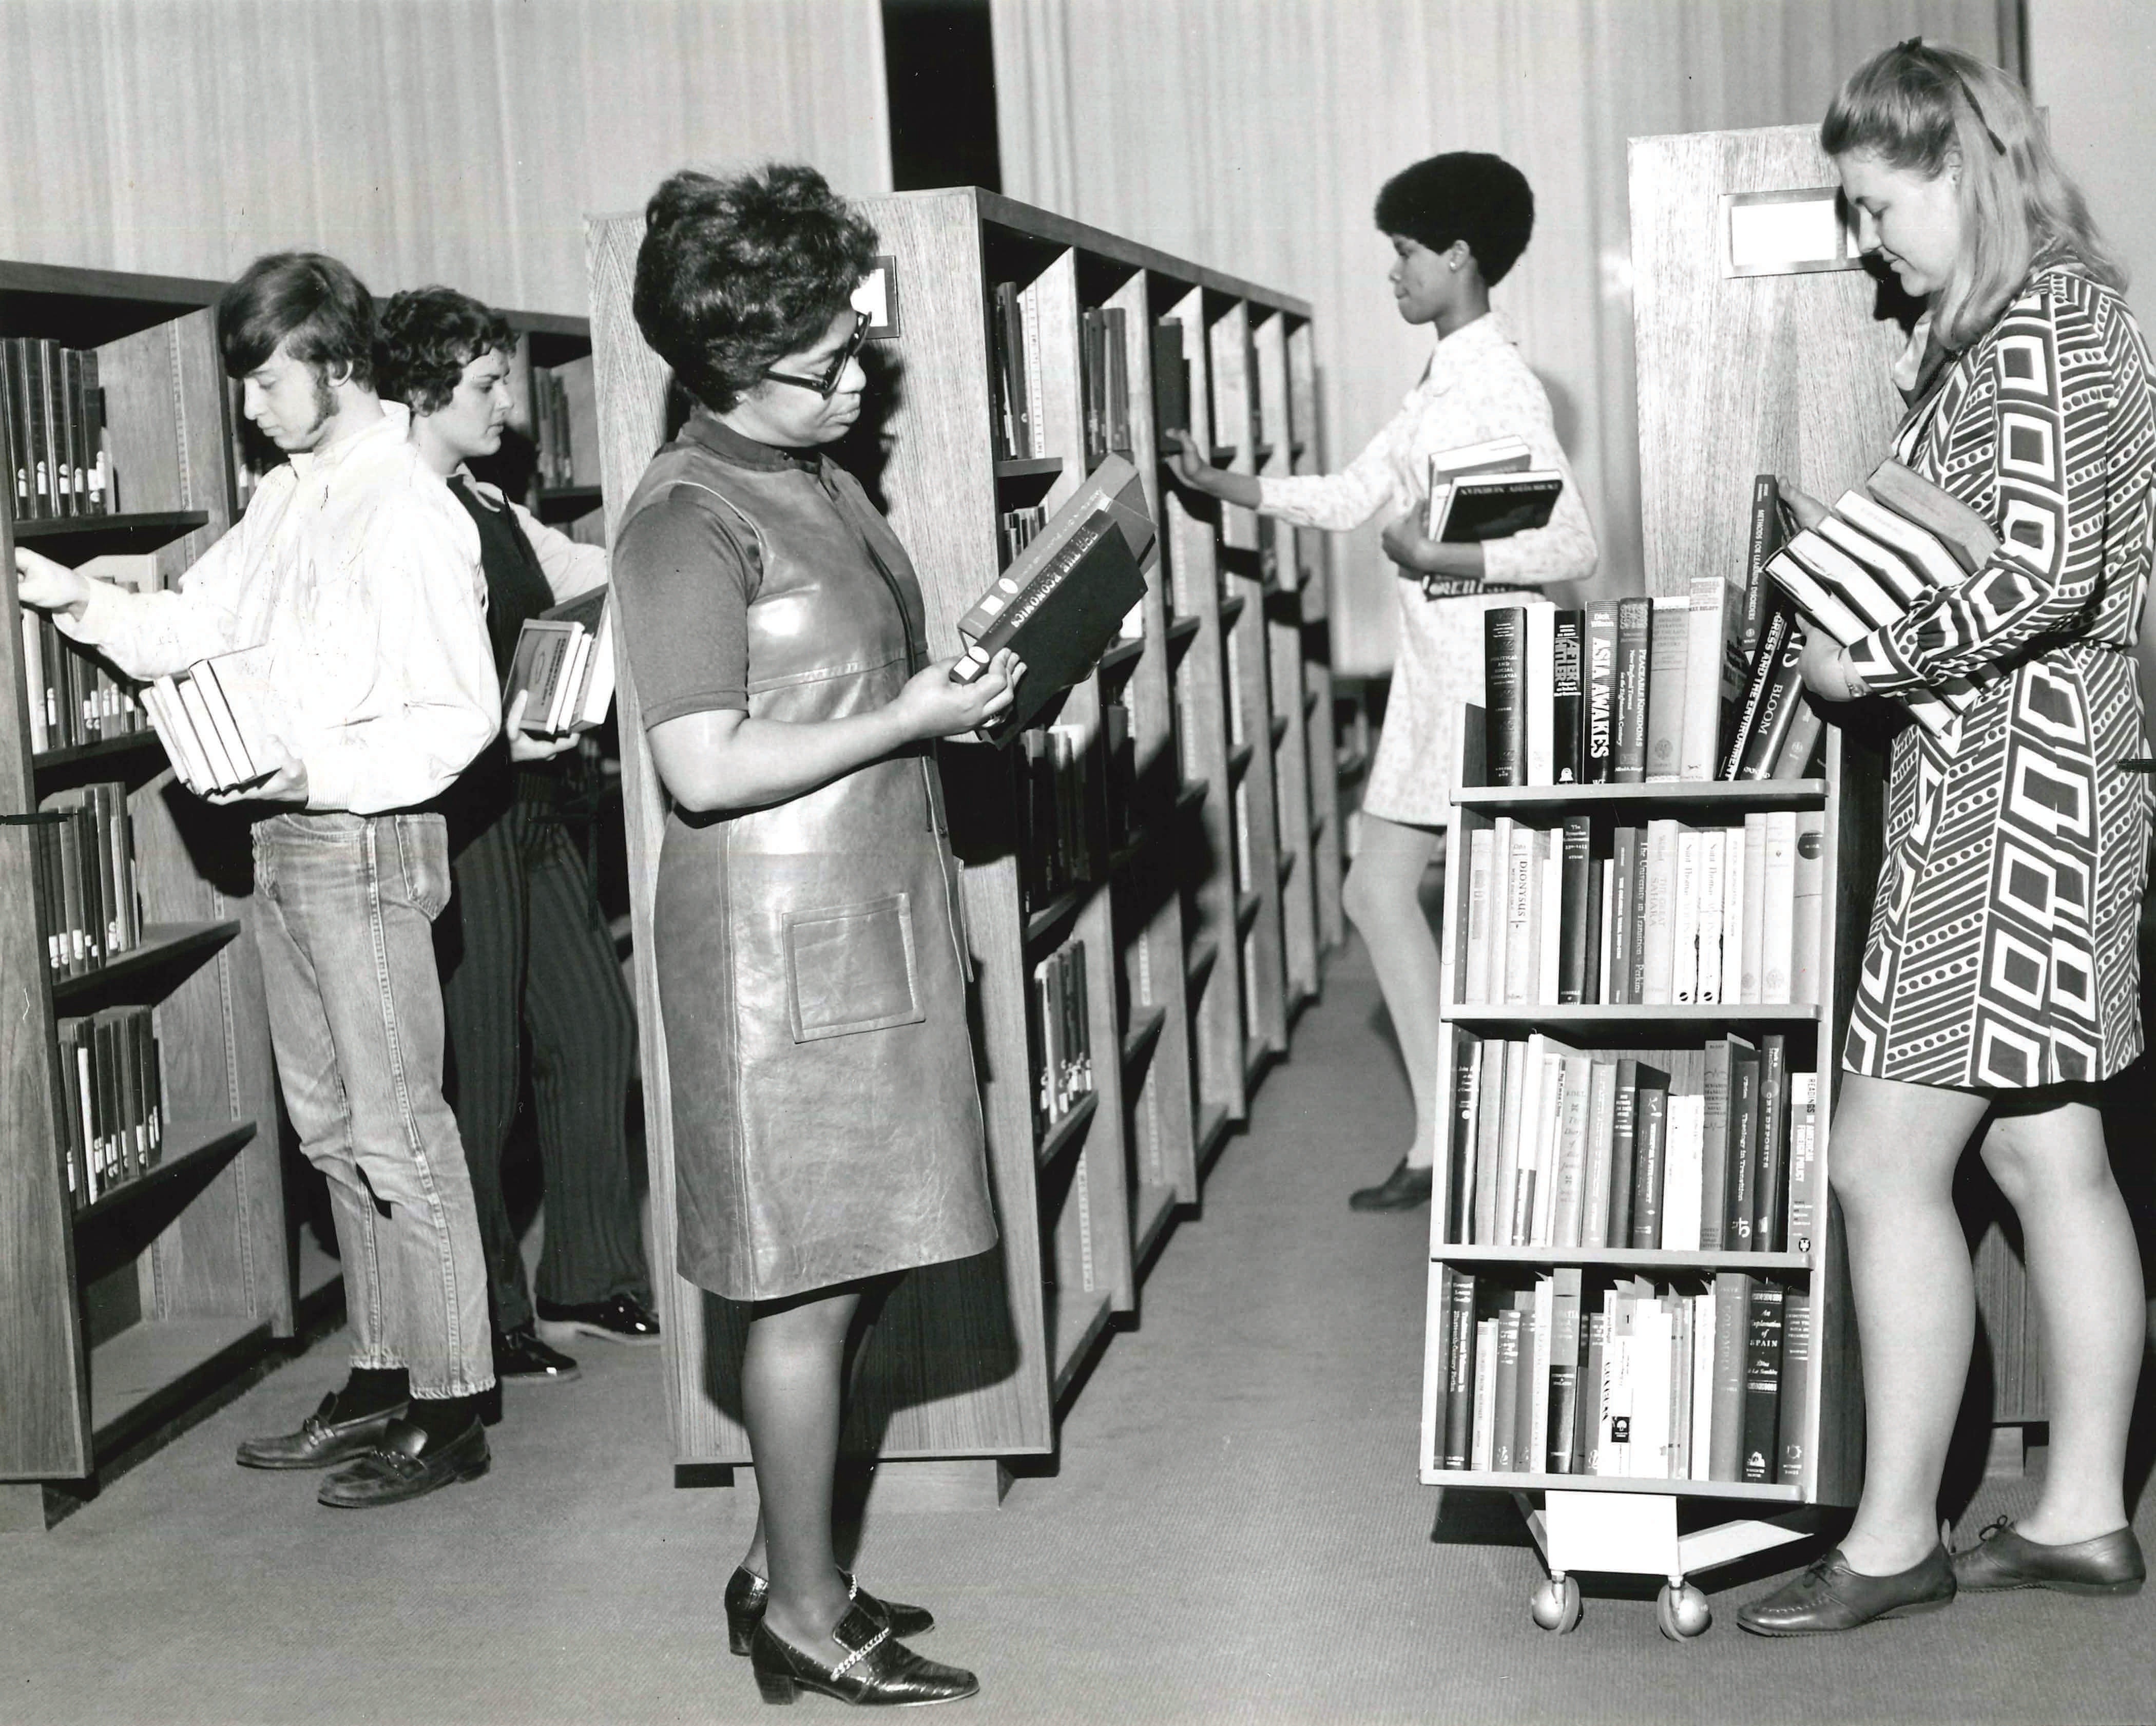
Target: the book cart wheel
pixel 1681 1611
pixel 1555 1604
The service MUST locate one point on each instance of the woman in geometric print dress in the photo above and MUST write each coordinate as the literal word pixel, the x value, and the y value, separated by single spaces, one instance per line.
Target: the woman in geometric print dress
pixel 2000 980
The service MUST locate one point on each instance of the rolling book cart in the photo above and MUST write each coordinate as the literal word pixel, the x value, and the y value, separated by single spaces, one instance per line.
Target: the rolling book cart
pixel 116 1316
pixel 1197 914
pixel 1657 1527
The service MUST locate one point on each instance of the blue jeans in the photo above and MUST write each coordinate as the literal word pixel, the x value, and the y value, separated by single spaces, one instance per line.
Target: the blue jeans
pixel 346 905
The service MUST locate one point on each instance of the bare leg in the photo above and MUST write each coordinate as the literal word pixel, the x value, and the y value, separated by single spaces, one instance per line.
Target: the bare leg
pixel 793 1375
pixel 1381 896
pixel 1893 1151
pixel 2085 1272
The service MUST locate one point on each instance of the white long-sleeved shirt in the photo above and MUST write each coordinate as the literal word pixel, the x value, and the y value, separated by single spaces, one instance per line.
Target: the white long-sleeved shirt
pixel 1478 387
pixel 569 565
pixel 361 573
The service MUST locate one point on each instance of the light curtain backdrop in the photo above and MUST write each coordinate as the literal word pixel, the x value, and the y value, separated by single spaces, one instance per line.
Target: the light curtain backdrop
pixel 1252 134
pixel 421 141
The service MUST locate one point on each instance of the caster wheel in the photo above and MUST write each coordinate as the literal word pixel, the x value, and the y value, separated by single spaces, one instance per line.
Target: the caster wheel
pixel 1680 1611
pixel 1555 1605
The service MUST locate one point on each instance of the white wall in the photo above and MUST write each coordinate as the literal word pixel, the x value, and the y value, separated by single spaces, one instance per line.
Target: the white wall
pixel 2093 63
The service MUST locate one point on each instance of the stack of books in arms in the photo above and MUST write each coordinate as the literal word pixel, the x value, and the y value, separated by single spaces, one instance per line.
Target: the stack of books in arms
pixel 52 429
pixel 1021 421
pixel 1710 1382
pixel 1677 1150
pixel 88 906
pixel 111 1101
pixel 1698 687
pixel 1481 491
pixel 1582 912
pixel 1862 564
pixel 564 664
pixel 215 719
pixel 1062 1034
pixel 1062 814
pixel 1104 376
pixel 73 698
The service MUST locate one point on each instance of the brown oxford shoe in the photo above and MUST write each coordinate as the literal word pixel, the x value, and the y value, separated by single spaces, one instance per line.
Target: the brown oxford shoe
pixel 2107 1565
pixel 1831 1597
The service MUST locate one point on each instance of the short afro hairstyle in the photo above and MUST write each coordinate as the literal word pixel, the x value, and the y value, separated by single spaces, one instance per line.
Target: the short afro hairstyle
pixel 735 273
pixel 310 301
pixel 426 336
pixel 1463 194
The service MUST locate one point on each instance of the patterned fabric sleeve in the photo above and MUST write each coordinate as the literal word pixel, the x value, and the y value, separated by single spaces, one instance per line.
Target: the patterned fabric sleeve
pixel 1349 498
pixel 2054 384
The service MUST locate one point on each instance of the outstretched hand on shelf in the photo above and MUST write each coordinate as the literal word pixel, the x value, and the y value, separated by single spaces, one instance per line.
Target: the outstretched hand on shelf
pixel 43 585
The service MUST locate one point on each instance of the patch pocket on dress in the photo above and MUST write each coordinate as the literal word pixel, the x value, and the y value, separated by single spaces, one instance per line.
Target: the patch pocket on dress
pixel 851 968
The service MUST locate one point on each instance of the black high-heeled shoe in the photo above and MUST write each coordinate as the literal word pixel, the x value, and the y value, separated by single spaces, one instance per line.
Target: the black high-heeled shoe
pixel 878 1670
pixel 748 1594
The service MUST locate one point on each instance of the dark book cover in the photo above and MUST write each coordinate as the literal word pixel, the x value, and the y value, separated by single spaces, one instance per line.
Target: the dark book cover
pixel 1485 506
pixel 1777 711
pixel 1714 1143
pixel 1576 931
pixel 1598 853
pixel 1651 1122
pixel 1768 537
pixel 1762 1382
pixel 15 424
pixel 1774 636
pixel 1743 1167
pixel 1460 1162
pixel 1504 648
pixel 1459 1370
pixel 1800 742
pixel 1171 381
pixel 1629 752
pixel 1504 1391
pixel 1794 1421
pixel 1769 1187
pixel 1563 1429
pixel 1567 742
pixel 1598 693
pixel 37 396
pixel 1623 895
pixel 1595 1333
pixel 1623 1144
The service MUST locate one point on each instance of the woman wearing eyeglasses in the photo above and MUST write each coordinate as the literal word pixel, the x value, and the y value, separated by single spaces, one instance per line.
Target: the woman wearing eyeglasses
pixel 1999 983
pixel 812 980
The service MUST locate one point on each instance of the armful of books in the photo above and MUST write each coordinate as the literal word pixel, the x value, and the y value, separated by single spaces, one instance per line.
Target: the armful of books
pixel 1862 564
pixel 1063 599
pixel 218 721
pixel 564 666
pixel 1489 490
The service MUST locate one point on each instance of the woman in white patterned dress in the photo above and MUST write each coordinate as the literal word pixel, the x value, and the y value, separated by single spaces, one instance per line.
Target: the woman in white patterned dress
pixel 1999 980
pixel 1457 223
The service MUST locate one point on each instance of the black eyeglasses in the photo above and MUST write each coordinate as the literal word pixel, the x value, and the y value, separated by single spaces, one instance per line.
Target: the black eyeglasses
pixel 824 385
pixel 1914 45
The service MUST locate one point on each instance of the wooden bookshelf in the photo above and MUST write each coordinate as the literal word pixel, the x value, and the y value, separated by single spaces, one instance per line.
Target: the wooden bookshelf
pixel 1186 930
pixel 115 1317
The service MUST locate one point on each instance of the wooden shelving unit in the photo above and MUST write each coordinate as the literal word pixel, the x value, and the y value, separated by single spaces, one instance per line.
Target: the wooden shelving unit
pixel 114 1319
pixel 1187 937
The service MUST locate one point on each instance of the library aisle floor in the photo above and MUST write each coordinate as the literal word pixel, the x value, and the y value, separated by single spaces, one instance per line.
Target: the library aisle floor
pixel 1234 1532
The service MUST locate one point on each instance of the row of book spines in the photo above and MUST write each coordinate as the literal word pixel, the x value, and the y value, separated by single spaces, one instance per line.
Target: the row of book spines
pixel 1648 1384
pixel 74 699
pixel 1016 530
pixel 1656 913
pixel 1104 375
pixel 1638 691
pixel 1710 1150
pixel 550 428
pixel 87 903
pixel 52 425
pixel 1063 1033
pixel 112 1109
pixel 1074 809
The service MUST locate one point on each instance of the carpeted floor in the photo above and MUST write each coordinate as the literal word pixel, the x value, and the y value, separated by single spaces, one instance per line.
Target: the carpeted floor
pixel 1235 1533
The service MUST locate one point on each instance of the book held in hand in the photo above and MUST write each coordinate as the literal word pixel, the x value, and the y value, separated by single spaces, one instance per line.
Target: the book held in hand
pixel 564 665
pixel 1060 604
pixel 218 721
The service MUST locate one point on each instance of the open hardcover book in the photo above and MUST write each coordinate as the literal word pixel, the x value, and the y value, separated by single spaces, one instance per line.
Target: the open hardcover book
pixel 218 720
pixel 1063 599
pixel 1861 565
pixel 565 659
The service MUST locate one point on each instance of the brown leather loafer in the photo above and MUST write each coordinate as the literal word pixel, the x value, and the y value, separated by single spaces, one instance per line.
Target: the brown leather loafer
pixel 1831 1597
pixel 407 1464
pixel 320 1442
pixel 1404 1189
pixel 2108 1564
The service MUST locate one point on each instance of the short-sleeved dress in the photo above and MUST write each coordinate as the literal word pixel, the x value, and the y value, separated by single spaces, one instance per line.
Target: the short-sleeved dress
pixel 2002 950
pixel 1478 387
pixel 827 1121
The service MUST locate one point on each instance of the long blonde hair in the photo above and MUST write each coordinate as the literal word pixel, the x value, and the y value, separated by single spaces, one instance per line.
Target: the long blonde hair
pixel 1920 107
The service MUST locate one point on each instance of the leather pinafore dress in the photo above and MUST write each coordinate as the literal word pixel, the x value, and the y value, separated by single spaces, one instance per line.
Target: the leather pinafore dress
pixel 827 1119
